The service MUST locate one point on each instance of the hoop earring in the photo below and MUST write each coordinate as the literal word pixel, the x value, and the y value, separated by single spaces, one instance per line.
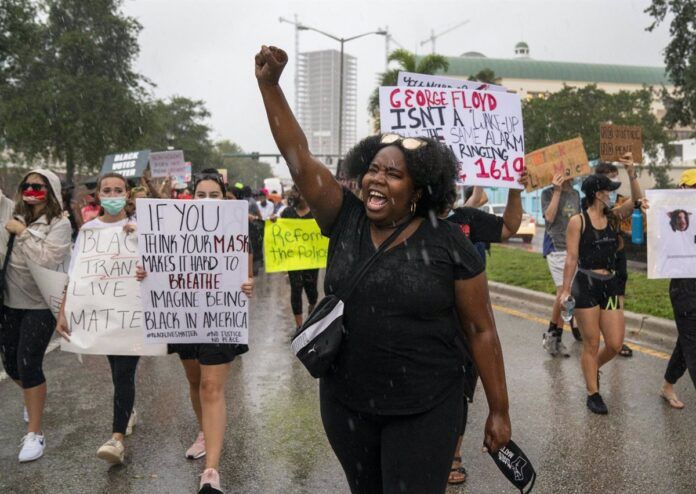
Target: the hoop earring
pixel 413 208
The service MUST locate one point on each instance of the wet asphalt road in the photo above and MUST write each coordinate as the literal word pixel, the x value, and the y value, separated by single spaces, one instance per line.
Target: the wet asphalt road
pixel 275 442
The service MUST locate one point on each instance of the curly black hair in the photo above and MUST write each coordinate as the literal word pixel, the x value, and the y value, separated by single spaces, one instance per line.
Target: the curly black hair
pixel 433 169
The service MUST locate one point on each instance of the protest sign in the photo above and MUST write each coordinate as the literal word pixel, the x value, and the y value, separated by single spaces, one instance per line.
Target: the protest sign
pixel 51 283
pixel 294 244
pixel 102 305
pixel 168 164
pixel 568 158
pixel 196 254
pixel 483 128
pixel 131 164
pixel 412 79
pixel 671 233
pixel 616 140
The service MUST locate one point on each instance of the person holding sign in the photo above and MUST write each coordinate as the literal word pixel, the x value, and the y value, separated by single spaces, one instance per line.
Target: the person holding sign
pixel 207 365
pixel 558 203
pixel 592 241
pixel 391 404
pixel 682 294
pixel 112 193
pixel 622 211
pixel 306 279
pixel 41 234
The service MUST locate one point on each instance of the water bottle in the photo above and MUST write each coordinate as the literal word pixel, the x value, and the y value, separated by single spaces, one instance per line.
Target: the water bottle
pixel 568 307
pixel 637 225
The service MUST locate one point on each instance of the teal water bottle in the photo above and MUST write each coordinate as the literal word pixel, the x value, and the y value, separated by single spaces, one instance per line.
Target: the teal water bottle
pixel 637 225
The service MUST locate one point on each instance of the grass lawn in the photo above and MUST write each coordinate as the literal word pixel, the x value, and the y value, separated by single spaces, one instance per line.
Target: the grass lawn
pixel 529 270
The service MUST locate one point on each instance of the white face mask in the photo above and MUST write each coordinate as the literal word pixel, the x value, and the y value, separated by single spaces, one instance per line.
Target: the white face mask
pixel 613 196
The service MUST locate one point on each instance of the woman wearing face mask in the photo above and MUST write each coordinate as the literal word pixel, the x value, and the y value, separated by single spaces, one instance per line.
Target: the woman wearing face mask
pixel 207 367
pixel 111 193
pixel 592 241
pixel 306 279
pixel 42 236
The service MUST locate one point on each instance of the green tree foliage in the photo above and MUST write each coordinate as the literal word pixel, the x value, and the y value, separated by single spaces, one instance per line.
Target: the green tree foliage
pixel 407 62
pixel 246 170
pixel 574 112
pixel 67 88
pixel 680 58
pixel 179 122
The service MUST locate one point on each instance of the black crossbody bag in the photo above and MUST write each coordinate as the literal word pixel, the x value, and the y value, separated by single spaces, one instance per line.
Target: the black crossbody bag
pixel 10 244
pixel 318 340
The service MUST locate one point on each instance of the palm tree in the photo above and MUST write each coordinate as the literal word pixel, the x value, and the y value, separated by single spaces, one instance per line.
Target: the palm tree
pixel 487 76
pixel 408 62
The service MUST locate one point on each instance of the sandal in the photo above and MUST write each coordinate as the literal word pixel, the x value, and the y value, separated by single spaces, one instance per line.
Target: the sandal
pixel 673 401
pixel 457 474
pixel 626 351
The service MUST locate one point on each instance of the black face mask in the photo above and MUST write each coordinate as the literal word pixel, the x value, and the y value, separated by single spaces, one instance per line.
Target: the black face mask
pixel 515 465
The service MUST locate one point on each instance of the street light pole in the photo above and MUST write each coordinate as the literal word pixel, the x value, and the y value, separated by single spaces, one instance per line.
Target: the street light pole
pixel 342 41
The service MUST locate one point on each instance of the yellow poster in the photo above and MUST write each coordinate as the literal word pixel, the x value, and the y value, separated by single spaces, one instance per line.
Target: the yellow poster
pixel 290 245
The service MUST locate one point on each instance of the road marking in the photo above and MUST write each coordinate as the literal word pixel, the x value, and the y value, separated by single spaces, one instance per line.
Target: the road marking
pixel 633 346
pixel 55 343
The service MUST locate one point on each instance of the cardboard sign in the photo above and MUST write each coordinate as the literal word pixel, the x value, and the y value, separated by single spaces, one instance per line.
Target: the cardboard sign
pixel 567 157
pixel 102 305
pixel 294 244
pixel 51 284
pixel 168 163
pixel 196 254
pixel 671 233
pixel 131 164
pixel 615 140
pixel 483 128
pixel 412 79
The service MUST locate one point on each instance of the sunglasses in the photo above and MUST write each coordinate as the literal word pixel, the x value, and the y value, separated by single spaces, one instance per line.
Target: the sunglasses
pixel 410 143
pixel 35 187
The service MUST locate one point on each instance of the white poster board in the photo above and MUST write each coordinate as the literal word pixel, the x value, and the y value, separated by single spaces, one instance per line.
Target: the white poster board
pixel 168 163
pixel 671 233
pixel 483 128
pixel 103 307
pixel 412 79
pixel 51 283
pixel 196 254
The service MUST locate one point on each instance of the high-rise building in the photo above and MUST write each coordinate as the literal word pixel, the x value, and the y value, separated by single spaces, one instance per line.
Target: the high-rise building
pixel 318 87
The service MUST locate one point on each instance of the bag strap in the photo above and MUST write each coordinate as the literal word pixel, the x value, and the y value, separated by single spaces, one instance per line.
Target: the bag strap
pixel 366 265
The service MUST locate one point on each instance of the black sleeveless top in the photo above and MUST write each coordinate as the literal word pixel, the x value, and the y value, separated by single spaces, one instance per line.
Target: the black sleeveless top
pixel 597 247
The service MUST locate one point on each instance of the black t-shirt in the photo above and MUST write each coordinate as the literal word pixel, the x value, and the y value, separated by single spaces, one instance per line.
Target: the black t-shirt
pixel 291 212
pixel 478 225
pixel 399 354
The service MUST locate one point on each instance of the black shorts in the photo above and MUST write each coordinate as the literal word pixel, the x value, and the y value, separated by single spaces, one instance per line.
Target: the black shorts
pixel 207 353
pixel 591 290
pixel 621 272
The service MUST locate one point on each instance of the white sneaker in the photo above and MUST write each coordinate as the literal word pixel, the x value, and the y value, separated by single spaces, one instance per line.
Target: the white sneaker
pixel 26 415
pixel 132 422
pixel 32 447
pixel 112 451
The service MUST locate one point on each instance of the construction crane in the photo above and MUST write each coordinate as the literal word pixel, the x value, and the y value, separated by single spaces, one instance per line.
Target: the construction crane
pixel 388 40
pixel 433 37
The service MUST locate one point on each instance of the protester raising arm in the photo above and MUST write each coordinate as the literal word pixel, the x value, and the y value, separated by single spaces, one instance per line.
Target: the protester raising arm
pixel 477 199
pixel 552 209
pixel 512 216
pixel 626 208
pixel 316 183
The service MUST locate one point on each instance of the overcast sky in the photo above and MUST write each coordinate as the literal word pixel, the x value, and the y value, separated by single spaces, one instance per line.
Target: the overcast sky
pixel 204 49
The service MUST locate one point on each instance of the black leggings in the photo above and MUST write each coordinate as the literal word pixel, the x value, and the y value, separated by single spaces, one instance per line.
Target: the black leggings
pixel 684 354
pixel 123 375
pixel 390 454
pixel 24 337
pixel 306 279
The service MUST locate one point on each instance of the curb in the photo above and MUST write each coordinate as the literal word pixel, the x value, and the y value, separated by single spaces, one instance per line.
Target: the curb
pixel 639 327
